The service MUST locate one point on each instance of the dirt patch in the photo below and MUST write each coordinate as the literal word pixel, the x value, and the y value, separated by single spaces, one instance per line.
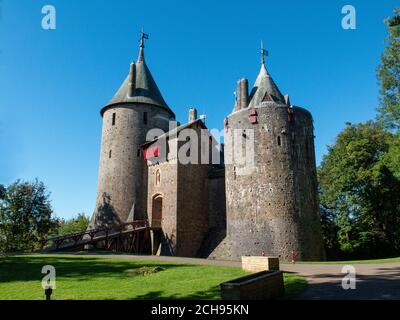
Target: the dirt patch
pixel 145 271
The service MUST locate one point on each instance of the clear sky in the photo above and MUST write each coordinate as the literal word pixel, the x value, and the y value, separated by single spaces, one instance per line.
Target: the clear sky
pixel 54 82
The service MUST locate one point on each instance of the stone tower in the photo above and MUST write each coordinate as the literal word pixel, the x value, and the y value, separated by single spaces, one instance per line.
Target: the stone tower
pixel 137 107
pixel 272 202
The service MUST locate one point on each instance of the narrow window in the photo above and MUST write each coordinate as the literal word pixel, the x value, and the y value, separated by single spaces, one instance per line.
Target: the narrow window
pixel 110 154
pixel 138 152
pixel 279 141
pixel 145 117
pixel 158 177
pixel 113 119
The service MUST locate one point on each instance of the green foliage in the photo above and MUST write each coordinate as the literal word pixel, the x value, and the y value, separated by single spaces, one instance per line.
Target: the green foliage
pixel 25 216
pixel 2 192
pixel 360 193
pixel 330 230
pixel 392 157
pixel 75 225
pixel 389 75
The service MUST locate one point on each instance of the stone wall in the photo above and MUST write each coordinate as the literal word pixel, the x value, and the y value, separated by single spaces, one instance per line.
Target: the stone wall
pixel 216 212
pixel 264 285
pixel 258 264
pixel 192 208
pixel 217 199
pixel 274 208
pixel 167 189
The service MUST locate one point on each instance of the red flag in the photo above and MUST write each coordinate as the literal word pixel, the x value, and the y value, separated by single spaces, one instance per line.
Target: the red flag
pixel 152 152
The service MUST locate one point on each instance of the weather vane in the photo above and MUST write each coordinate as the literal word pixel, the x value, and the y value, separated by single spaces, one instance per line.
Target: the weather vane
pixel 264 53
pixel 143 37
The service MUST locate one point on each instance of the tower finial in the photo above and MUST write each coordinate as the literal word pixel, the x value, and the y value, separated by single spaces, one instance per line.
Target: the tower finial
pixel 143 37
pixel 264 53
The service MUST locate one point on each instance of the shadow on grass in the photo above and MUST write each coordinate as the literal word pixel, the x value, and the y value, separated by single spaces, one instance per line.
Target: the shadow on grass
pixel 27 268
pixel 211 294
pixel 294 285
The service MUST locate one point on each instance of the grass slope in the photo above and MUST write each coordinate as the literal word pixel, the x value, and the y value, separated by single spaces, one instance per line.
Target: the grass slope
pixel 352 261
pixel 89 278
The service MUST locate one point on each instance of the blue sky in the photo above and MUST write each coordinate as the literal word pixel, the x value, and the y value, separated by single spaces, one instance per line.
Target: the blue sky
pixel 53 83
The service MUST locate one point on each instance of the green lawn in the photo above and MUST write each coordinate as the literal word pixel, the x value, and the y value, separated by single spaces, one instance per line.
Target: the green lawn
pixel 351 261
pixel 91 278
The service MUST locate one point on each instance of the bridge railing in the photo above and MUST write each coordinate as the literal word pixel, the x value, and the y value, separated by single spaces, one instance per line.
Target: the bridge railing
pixel 92 234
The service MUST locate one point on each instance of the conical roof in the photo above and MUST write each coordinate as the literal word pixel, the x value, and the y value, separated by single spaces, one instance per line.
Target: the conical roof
pixel 139 87
pixel 265 89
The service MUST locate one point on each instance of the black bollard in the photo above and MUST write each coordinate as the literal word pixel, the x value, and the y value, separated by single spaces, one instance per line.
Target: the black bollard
pixel 48 291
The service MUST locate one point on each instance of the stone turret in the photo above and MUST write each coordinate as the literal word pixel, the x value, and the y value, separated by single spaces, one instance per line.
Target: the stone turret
pixel 272 202
pixel 192 114
pixel 137 107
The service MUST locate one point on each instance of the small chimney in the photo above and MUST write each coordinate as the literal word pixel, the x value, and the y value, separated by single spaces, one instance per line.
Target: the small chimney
pixel 242 94
pixel 238 96
pixel 287 100
pixel 132 80
pixel 192 114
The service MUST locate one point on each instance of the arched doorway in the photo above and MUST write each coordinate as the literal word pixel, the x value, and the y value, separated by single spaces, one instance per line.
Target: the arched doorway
pixel 156 227
pixel 156 215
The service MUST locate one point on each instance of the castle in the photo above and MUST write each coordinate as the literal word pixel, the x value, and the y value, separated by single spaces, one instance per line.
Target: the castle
pixel 267 204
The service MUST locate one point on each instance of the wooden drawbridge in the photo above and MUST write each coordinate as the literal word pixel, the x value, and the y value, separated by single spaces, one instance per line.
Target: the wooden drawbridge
pixel 132 237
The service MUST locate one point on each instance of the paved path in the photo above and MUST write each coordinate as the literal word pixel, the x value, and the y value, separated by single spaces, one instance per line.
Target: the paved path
pixel 373 281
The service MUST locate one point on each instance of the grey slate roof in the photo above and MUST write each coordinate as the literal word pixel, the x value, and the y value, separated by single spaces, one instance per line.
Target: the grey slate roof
pixel 175 131
pixel 264 84
pixel 145 91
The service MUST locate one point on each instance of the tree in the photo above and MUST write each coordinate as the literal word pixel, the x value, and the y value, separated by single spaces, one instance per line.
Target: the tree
pixel 361 192
pixel 25 216
pixel 389 76
pixel 75 225
pixel 392 157
pixel 330 231
pixel 2 192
